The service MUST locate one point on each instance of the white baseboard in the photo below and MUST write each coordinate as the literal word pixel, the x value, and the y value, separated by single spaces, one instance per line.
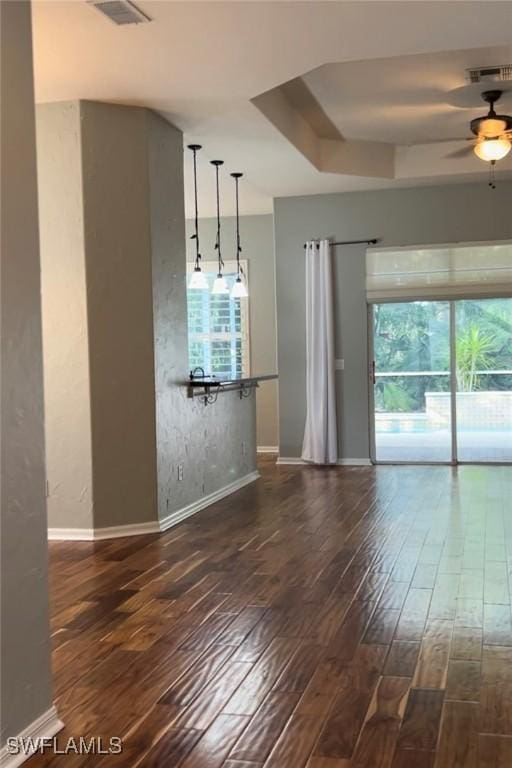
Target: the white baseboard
pixel 341 462
pixel 289 460
pixel 96 534
pixel 137 529
pixel 181 514
pixel 44 727
pixel 267 449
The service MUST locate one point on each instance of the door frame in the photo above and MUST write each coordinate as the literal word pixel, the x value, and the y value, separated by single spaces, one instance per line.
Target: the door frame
pixel 453 379
pixel 371 385
pixel 455 461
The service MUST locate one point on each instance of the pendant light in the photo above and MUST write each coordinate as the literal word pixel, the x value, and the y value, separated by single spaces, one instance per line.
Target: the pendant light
pixel 239 289
pixel 220 285
pixel 197 278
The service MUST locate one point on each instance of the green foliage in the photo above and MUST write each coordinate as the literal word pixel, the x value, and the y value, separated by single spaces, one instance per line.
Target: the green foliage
pixel 414 337
pixel 410 336
pixel 475 350
pixel 395 398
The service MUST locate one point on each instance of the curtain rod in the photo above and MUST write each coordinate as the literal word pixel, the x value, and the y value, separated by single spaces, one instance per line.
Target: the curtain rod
pixel 371 241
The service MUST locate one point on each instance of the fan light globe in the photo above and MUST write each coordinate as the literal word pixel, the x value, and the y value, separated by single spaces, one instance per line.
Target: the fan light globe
pixel 492 149
pixel 198 280
pixel 220 286
pixel 491 128
pixel 239 291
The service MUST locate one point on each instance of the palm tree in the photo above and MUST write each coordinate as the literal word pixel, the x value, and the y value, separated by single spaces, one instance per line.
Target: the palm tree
pixel 474 351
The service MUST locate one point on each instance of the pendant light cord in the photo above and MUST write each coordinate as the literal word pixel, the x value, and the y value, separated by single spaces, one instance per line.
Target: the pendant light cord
pixel 195 236
pixel 217 245
pixel 239 270
pixel 492 175
pixel 196 217
pixel 238 247
pixel 217 163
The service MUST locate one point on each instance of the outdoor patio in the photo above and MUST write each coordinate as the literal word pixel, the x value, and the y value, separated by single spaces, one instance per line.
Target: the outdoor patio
pixel 473 445
pixel 484 429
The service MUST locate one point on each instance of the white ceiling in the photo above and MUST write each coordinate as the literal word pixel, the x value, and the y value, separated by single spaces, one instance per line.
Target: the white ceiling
pixel 200 64
pixel 404 99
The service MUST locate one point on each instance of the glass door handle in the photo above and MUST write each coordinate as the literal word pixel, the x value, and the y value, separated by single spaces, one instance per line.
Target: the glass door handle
pixel 374 379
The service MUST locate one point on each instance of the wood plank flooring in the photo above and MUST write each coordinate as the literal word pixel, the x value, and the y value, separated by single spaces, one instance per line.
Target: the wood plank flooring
pixel 319 618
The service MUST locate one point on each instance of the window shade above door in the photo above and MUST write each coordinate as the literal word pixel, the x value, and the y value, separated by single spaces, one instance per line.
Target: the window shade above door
pixel 441 272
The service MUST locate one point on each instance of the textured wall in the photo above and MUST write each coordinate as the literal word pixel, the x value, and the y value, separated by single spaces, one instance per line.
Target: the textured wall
pixel 257 233
pixel 113 237
pixel 26 676
pixel 426 215
pixel 66 344
pixel 206 440
pixel 119 312
pixel 96 273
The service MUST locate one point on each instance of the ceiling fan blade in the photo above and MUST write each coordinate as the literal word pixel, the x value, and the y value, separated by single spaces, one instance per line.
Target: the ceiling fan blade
pixel 463 152
pixel 451 140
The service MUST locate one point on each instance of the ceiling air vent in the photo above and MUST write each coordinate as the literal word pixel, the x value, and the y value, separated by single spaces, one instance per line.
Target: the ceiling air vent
pixel 120 11
pixel 490 74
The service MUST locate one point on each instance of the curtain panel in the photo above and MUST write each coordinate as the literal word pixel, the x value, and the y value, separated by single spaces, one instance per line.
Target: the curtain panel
pixel 320 444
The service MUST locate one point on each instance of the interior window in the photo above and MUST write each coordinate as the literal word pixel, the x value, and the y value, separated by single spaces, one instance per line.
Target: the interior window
pixel 218 326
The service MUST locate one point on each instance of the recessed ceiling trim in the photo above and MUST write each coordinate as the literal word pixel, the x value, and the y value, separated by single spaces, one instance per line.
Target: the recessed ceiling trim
pixel 371 159
pixel 300 96
pixel 290 123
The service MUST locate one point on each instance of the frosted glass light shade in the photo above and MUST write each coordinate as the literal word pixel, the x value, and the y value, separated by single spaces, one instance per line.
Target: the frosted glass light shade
pixel 238 291
pixel 220 285
pixel 492 149
pixel 198 280
pixel 491 128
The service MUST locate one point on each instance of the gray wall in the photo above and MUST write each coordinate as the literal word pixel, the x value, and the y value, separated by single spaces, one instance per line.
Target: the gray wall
pixel 257 235
pixel 116 204
pixel 25 642
pixel 97 314
pixel 113 243
pixel 426 215
pixel 206 440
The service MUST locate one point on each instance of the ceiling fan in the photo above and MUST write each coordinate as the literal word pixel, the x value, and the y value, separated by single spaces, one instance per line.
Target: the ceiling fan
pixel 493 133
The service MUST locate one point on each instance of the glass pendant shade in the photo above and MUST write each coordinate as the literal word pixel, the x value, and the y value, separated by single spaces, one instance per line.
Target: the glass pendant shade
pixel 198 280
pixel 239 291
pixel 492 149
pixel 219 285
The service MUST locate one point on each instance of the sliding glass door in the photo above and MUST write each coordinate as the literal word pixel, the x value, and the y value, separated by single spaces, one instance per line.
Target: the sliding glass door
pixel 484 379
pixel 442 380
pixel 411 346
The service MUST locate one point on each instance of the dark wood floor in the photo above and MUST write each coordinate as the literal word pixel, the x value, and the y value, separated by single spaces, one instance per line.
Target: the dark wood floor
pixel 355 617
